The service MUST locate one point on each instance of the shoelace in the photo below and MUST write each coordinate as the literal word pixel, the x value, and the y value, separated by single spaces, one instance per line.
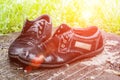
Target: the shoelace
pixel 33 34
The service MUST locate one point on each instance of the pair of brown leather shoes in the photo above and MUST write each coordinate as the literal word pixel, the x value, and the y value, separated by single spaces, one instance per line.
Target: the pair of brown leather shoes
pixel 36 46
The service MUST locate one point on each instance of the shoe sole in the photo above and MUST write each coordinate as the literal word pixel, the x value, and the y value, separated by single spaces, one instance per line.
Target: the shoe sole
pixel 18 60
pixel 89 55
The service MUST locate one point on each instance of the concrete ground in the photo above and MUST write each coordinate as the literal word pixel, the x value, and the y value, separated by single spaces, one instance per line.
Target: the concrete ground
pixel 105 66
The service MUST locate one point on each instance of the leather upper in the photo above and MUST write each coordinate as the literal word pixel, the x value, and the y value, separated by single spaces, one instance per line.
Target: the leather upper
pixel 70 43
pixel 35 32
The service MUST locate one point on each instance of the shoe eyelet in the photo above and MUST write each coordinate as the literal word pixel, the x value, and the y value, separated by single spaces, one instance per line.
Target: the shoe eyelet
pixel 40 27
pixel 64 41
pixel 58 31
pixel 61 27
pixel 41 22
pixel 40 32
pixel 66 37
pixel 55 35
pixel 63 46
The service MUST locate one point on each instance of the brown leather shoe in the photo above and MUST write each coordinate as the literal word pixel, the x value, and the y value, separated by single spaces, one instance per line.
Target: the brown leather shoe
pixel 68 45
pixel 25 47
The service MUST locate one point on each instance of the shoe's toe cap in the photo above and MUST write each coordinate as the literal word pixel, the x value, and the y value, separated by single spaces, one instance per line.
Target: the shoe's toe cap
pixel 33 59
pixel 15 51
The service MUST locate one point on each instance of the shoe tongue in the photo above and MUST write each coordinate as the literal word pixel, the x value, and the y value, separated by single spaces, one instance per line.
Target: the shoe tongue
pixel 62 29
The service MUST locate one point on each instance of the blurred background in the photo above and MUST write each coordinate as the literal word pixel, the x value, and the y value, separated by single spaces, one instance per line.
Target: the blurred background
pixel 76 13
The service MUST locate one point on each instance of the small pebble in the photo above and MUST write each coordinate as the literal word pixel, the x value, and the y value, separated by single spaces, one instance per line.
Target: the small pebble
pixel 62 73
pixel 92 77
pixel 25 71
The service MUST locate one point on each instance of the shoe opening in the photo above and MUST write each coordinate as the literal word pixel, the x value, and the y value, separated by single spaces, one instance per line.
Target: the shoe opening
pixel 61 29
pixel 86 31
pixel 46 17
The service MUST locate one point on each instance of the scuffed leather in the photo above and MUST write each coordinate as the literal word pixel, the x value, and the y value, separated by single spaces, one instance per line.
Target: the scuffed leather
pixel 25 46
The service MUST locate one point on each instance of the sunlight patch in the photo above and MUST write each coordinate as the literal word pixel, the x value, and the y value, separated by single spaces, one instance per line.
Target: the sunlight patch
pixel 111 42
pixel 105 56
pixel 102 58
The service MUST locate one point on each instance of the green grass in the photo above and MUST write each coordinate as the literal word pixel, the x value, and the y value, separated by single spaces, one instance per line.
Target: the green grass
pixel 82 13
